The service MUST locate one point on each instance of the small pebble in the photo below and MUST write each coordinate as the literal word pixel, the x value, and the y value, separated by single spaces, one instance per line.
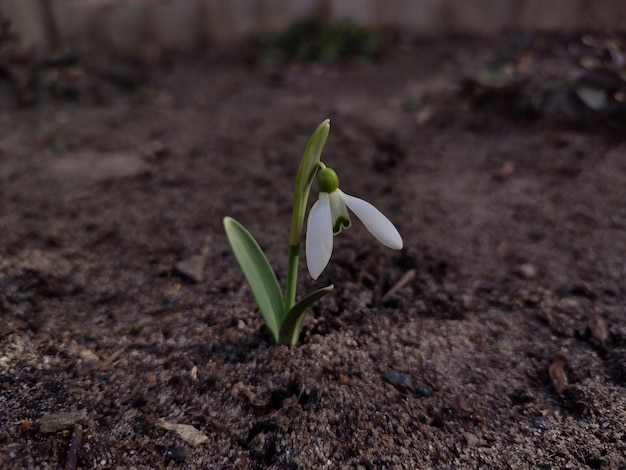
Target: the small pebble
pixel 176 454
pixel 538 422
pixel 404 382
pixel 344 380
pixel 423 391
pixel 56 422
pixel 397 379
pixel 527 270
pixel 470 439
pixel 192 267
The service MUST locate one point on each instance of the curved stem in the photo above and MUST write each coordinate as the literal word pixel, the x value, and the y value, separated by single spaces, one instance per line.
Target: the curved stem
pixel 309 165
pixel 292 276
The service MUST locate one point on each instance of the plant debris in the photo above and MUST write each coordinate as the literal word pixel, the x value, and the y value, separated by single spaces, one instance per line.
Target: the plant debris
pixel 598 327
pixel 557 373
pixel 188 433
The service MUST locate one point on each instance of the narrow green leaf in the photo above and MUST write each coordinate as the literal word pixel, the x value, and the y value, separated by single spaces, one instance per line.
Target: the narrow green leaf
pixel 258 273
pixel 304 178
pixel 292 324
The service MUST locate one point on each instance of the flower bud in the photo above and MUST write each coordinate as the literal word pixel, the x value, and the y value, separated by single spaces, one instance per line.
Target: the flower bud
pixel 327 180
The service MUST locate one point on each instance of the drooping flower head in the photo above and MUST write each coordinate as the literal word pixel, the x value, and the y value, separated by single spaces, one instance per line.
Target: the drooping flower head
pixel 329 215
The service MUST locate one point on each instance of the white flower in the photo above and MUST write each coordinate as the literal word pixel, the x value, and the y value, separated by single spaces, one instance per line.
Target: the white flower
pixel 329 215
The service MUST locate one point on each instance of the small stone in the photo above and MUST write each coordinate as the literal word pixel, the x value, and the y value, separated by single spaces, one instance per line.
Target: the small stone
pixel 405 383
pixel 87 362
pixel 192 267
pixel 471 439
pixel 63 421
pixel 397 379
pixel 422 391
pixel 176 454
pixel 88 355
pixel 538 422
pixel 344 380
pixel 259 444
pixel 527 270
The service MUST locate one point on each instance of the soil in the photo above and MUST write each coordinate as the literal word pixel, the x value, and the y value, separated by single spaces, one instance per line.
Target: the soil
pixel 495 339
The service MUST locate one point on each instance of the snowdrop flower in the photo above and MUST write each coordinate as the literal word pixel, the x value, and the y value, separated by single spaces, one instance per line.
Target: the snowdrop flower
pixel 329 215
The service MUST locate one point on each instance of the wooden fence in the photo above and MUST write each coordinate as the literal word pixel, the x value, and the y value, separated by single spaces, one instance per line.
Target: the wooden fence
pixel 129 26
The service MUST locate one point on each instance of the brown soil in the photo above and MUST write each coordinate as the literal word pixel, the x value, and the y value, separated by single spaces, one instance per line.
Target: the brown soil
pixel 505 347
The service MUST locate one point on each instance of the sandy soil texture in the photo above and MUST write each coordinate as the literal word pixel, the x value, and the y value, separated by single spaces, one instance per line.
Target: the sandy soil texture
pixel 495 339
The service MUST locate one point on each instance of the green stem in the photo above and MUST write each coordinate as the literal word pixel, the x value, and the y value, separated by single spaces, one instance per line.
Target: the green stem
pixel 297 221
pixel 309 164
pixel 292 276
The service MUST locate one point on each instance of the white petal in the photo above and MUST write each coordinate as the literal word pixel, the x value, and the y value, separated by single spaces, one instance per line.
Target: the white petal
pixel 374 221
pixel 338 212
pixel 319 236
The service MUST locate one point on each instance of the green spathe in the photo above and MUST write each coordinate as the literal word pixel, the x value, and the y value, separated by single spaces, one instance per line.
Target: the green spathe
pixel 304 178
pixel 309 164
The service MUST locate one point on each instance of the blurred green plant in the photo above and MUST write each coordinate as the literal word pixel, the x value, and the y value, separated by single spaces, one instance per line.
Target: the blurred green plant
pixel 315 40
pixel 585 82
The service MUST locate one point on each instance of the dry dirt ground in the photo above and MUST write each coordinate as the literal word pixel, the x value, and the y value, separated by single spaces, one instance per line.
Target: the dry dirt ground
pixel 495 339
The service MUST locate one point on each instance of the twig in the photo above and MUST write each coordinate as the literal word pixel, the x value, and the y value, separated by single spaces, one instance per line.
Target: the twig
pixel 404 280
pixel 110 359
pixel 72 457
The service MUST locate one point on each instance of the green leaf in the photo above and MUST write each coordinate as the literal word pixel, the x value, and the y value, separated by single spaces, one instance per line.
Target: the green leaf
pixel 292 324
pixel 304 178
pixel 259 275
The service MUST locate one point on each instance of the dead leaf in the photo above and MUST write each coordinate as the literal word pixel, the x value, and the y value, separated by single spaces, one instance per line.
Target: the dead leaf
pixel 242 389
pixel 598 328
pixel 557 373
pixel 187 432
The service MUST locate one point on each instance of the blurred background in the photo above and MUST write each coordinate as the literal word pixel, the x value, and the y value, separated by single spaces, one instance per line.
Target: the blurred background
pixel 137 26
